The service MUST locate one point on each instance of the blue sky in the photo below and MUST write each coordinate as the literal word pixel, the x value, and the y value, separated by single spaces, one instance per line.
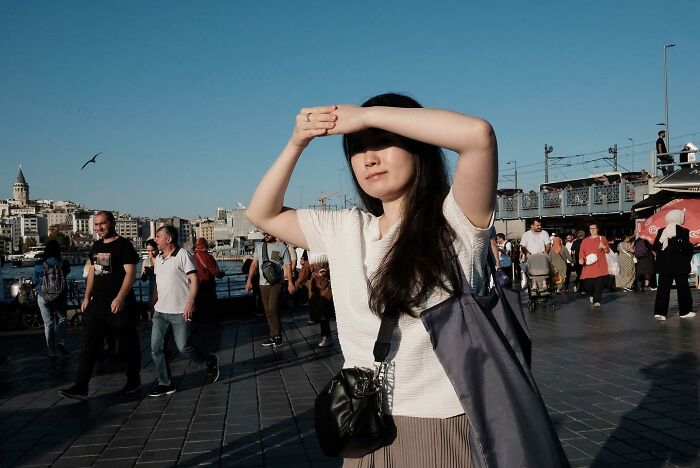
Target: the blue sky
pixel 190 102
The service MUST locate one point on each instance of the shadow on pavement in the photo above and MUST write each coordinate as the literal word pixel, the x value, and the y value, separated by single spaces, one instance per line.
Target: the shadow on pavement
pixel 661 435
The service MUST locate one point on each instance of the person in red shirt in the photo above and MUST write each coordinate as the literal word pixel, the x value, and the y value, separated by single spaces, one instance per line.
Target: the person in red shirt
pixel 207 272
pixel 595 266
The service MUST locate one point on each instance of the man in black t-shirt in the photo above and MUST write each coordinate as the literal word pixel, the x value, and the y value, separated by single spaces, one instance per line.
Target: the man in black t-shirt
pixel 109 303
pixel 662 153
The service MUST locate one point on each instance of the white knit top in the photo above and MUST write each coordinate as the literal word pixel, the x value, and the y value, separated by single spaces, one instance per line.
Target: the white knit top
pixel 418 385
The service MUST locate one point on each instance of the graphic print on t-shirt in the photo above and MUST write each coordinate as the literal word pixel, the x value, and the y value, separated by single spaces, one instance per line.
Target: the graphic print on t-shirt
pixel 274 256
pixel 102 263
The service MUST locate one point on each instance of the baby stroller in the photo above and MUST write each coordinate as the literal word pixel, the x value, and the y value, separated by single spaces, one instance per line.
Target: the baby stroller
pixel 539 285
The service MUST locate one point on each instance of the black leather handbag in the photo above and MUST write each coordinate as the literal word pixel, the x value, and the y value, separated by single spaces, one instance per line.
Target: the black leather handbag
pixel 349 419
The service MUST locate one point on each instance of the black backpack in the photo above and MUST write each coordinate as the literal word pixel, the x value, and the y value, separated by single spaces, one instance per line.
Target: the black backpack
pixel 53 282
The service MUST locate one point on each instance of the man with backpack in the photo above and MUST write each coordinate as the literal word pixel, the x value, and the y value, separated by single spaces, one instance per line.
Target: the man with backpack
pixel 109 303
pixel 274 264
pixel 51 285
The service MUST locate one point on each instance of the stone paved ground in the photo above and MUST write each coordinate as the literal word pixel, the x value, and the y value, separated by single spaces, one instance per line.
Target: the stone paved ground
pixel 621 388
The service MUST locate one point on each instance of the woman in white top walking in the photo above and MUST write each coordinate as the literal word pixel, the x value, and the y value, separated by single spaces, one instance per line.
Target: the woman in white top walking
pixel 398 256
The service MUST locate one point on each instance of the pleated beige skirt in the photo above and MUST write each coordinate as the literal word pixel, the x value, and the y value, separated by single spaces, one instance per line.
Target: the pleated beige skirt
pixel 422 443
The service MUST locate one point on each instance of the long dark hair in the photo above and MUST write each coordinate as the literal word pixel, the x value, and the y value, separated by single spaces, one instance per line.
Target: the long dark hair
pixel 52 249
pixel 421 258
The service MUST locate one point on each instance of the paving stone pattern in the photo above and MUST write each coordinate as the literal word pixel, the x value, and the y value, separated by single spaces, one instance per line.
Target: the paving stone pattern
pixel 622 390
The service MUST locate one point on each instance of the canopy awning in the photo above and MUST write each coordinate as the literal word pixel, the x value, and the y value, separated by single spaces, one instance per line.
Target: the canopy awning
pixel 686 179
pixel 660 198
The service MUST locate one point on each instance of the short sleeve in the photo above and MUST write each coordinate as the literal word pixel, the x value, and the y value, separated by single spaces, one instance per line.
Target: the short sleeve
pixel 460 223
pixel 286 258
pixel 188 265
pixel 130 255
pixel 320 227
pixel 546 238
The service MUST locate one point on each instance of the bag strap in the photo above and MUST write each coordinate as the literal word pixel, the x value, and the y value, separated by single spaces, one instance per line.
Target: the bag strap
pixel 383 343
pixel 264 252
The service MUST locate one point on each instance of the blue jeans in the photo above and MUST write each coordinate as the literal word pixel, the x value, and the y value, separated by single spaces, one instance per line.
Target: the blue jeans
pixel 181 334
pixel 54 317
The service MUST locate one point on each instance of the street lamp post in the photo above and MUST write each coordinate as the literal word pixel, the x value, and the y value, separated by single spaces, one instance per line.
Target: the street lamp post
pixel 515 164
pixel 668 132
pixel 632 140
pixel 547 150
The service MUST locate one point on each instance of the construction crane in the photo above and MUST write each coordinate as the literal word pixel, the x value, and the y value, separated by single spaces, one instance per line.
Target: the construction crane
pixel 324 197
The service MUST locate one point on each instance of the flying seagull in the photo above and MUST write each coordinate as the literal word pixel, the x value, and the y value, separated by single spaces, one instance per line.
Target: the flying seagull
pixel 91 160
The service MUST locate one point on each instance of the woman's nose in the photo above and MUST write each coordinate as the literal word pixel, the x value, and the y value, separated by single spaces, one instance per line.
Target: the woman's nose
pixel 371 159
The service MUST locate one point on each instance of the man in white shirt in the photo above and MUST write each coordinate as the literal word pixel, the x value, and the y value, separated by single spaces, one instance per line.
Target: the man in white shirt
pixel 534 241
pixel 175 292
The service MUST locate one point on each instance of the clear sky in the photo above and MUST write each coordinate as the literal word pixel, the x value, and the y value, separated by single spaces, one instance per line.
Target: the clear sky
pixel 190 102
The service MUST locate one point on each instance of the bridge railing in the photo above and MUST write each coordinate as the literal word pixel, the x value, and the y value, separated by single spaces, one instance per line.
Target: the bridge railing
pixel 595 199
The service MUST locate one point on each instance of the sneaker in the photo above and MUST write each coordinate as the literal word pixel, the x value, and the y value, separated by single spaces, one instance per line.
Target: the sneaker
pixel 213 369
pixel 162 390
pixel 74 392
pixel 596 304
pixel 131 386
pixel 626 289
pixel 688 315
pixel 590 299
pixel 62 349
pixel 270 341
pixel 660 318
pixel 652 289
pixel 277 341
pixel 325 342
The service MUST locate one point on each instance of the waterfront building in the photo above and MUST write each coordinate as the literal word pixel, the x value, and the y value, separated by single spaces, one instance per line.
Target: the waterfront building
pixel 58 217
pixel 183 226
pixel 28 226
pixel 63 228
pixel 205 228
pixel 128 227
pixel 6 236
pixel 82 222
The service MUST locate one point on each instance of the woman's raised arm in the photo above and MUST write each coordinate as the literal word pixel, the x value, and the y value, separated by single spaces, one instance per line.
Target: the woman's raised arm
pixel 476 175
pixel 266 210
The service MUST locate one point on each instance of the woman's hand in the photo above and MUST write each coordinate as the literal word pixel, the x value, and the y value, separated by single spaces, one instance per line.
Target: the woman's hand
pixel 312 122
pixel 350 119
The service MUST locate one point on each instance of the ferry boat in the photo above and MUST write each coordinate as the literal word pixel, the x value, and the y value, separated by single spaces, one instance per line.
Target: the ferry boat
pixel 28 258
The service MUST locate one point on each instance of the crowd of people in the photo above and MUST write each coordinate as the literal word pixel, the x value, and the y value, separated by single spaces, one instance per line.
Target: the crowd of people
pixel 590 264
pixel 381 279
pixel 181 286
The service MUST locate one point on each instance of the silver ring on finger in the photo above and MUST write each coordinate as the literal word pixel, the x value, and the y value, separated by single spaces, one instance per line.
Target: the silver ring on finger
pixel 308 117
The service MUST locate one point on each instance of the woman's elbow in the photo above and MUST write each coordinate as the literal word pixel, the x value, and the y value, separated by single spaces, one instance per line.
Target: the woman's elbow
pixel 485 135
pixel 253 217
